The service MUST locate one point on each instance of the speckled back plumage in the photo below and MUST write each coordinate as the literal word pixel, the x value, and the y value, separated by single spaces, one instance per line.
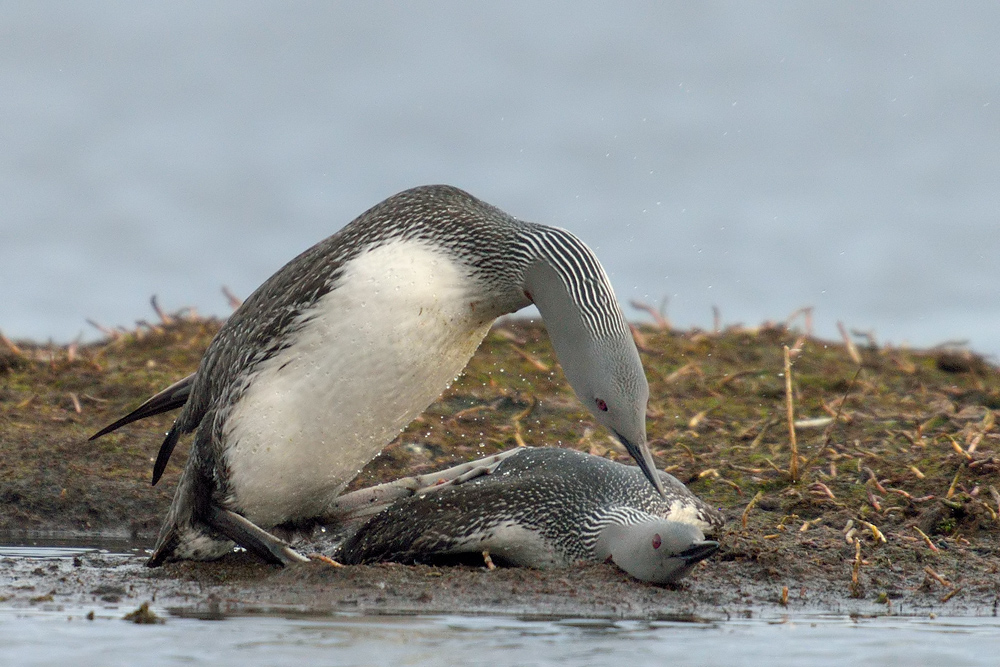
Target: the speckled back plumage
pixel 564 495
pixel 264 322
pixel 494 245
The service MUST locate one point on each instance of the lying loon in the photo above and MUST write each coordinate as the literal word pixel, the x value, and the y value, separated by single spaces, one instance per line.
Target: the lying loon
pixel 329 359
pixel 541 508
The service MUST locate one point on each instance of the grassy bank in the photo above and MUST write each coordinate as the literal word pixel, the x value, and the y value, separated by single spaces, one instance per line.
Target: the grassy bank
pixel 893 493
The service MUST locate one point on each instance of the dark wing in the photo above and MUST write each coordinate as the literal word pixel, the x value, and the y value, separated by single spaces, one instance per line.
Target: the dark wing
pixel 171 398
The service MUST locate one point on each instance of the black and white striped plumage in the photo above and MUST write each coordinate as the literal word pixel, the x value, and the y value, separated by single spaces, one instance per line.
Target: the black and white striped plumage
pixel 541 507
pixel 338 351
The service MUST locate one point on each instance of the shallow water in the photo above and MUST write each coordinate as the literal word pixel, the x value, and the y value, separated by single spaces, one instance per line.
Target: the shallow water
pixel 49 633
pixel 57 636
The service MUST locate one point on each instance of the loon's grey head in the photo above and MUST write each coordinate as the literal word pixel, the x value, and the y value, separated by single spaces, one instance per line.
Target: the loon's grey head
pixel 657 550
pixel 591 338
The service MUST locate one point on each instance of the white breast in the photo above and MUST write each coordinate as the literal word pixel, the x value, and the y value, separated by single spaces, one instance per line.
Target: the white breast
pixel 377 350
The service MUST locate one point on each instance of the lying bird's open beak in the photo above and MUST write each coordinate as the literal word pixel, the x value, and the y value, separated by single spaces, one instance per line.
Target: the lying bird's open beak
pixel 640 452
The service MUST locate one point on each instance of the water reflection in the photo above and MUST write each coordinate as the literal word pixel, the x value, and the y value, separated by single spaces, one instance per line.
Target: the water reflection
pixel 55 634
pixel 36 637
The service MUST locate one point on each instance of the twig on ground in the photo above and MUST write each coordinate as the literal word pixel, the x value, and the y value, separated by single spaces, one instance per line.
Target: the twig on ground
pixel 937 577
pixel 531 359
pixel 518 428
pixel 750 506
pixel 927 540
pixel 855 587
pixel 954 483
pixel 793 466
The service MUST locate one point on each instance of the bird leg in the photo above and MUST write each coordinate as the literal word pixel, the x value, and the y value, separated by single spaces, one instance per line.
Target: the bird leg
pixel 252 538
pixel 363 503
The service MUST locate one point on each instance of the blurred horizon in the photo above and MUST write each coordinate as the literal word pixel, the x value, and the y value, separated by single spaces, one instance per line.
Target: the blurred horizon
pixel 757 158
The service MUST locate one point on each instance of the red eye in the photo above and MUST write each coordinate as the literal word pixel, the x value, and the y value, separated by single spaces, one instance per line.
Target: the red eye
pixel 601 405
pixel 657 541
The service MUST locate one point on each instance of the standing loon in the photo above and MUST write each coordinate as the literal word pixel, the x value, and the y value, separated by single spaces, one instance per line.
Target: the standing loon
pixel 545 507
pixel 332 356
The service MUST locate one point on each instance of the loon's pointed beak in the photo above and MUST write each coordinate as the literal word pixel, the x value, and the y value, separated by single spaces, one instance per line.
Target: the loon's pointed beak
pixel 640 452
pixel 699 552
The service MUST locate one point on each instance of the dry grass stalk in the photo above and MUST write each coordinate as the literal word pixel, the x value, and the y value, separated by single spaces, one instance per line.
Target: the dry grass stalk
pixel 690 367
pixel 793 466
pixel 937 577
pixel 732 484
pixel 531 359
pixel 958 450
pixel 112 334
pixel 165 319
pixel 927 540
pixel 855 587
pixel 76 402
pixel 989 421
pixel 814 422
pixel 750 506
pixel 518 428
pixel 821 489
pixel 873 478
pixel 807 318
pixel 698 418
pixel 873 500
pixel 876 533
pixel 763 431
pixel 233 300
pixel 950 594
pixel 324 559
pixel 806 314
pixel 10 345
pixel 852 349
pixel 657 314
pixel 641 342
pixel 954 484
pixel 806 525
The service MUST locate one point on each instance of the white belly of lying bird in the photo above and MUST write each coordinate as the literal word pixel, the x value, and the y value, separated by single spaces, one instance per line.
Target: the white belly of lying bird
pixel 515 544
pixel 397 329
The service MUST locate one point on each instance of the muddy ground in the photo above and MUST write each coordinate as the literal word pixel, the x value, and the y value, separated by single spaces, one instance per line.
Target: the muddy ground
pixel 892 506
